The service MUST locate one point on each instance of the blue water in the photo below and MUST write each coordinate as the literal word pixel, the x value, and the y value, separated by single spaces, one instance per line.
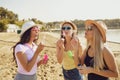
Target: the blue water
pixel 112 35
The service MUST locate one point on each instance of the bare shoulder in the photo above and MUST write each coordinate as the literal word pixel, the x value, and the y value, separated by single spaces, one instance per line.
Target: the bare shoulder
pixel 107 53
pixel 84 52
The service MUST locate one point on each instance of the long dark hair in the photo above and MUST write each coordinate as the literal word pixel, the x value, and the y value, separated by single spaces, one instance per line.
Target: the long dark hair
pixel 24 38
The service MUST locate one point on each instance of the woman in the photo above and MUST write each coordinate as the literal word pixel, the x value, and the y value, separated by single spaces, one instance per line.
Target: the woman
pixel 26 52
pixel 99 60
pixel 69 51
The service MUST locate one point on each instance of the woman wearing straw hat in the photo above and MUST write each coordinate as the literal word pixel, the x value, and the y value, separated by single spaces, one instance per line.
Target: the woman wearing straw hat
pixel 99 60
pixel 26 52
pixel 69 51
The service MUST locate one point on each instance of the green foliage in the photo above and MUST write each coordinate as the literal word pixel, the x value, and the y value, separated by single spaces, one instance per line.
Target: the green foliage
pixel 114 23
pixel 19 23
pixel 79 23
pixel 111 23
pixel 3 26
pixel 43 28
pixel 6 17
pixel 36 21
pixel 6 14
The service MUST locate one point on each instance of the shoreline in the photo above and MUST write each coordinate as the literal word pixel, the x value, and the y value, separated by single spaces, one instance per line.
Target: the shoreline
pixel 54 34
pixel 113 42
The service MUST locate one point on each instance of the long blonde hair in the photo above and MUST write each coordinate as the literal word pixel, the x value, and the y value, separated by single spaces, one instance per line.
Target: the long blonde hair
pixel 98 46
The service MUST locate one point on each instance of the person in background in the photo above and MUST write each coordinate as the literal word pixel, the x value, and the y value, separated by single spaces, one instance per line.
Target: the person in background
pixel 69 51
pixel 98 58
pixel 26 52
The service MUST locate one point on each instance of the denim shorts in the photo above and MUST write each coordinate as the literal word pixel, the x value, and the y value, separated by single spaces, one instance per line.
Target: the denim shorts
pixel 72 74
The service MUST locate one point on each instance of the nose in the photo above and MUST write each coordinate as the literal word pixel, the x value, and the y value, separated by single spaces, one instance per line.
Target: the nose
pixel 86 32
pixel 37 30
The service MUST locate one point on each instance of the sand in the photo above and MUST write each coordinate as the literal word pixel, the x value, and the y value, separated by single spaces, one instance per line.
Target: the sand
pixel 52 70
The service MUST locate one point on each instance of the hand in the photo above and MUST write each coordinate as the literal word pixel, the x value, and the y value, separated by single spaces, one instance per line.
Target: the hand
pixel 74 42
pixel 60 43
pixel 45 58
pixel 40 47
pixel 44 61
pixel 85 70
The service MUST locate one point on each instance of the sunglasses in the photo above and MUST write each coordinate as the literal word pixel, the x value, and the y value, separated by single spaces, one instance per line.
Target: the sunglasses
pixel 89 28
pixel 66 28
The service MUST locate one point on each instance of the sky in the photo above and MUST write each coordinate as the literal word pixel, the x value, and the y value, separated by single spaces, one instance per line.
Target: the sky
pixel 60 10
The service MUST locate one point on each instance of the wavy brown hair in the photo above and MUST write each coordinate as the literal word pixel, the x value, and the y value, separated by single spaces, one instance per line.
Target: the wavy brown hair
pixel 24 38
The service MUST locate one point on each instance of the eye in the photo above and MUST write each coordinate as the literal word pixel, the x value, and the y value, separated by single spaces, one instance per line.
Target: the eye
pixel 89 28
pixel 66 28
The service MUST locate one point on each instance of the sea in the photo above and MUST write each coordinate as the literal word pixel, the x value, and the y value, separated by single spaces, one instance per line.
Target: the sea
pixel 113 35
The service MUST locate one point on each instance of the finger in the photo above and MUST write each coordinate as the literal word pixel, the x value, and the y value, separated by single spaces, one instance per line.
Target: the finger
pixel 80 68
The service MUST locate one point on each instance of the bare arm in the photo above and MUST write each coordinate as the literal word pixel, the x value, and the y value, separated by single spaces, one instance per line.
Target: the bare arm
pixel 77 48
pixel 60 51
pixel 83 57
pixel 111 64
pixel 27 65
pixel 78 54
pixel 40 62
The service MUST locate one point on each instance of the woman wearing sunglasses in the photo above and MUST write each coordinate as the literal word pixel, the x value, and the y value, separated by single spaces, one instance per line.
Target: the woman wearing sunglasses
pixel 99 60
pixel 69 51
pixel 26 52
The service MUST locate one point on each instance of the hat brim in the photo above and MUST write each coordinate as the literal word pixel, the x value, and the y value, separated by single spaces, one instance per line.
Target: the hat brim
pixel 99 27
pixel 22 32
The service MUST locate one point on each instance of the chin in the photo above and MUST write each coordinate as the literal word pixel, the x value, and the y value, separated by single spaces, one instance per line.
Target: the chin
pixel 85 36
pixel 36 38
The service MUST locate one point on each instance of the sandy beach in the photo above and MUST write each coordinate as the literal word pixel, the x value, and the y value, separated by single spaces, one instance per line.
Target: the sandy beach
pixel 52 70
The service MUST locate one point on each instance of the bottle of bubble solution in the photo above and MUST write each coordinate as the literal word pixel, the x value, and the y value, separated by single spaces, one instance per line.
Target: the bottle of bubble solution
pixel 82 76
pixel 45 58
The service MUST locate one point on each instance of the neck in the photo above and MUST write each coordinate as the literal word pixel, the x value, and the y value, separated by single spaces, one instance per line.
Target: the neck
pixel 91 43
pixel 68 39
pixel 30 42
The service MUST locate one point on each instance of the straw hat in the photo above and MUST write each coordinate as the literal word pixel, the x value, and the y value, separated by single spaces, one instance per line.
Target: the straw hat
pixel 27 25
pixel 101 27
pixel 69 22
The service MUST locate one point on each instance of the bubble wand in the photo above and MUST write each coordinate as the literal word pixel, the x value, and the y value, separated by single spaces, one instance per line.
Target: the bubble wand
pixel 43 42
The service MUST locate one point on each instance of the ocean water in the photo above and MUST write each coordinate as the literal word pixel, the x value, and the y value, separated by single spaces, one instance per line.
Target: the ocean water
pixel 112 35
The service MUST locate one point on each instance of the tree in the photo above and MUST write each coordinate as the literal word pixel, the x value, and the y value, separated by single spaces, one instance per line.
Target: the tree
pixel 6 14
pixel 6 17
pixel 3 26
